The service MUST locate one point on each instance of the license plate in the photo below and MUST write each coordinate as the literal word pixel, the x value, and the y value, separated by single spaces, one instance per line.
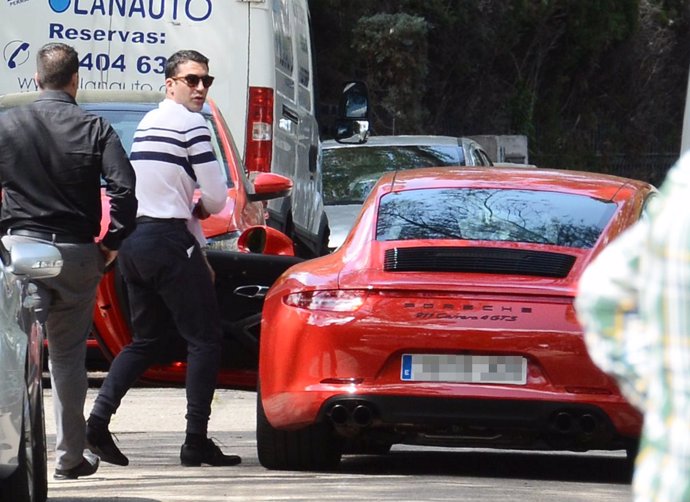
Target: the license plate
pixel 464 368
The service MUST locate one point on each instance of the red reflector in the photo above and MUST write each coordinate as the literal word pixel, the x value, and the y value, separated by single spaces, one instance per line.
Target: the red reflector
pixel 341 381
pixel 259 133
pixel 587 390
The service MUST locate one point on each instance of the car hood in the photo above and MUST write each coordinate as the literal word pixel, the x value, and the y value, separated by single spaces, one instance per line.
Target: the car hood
pixel 340 220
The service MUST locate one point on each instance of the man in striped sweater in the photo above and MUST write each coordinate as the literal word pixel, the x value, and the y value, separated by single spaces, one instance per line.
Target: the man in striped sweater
pixel 163 265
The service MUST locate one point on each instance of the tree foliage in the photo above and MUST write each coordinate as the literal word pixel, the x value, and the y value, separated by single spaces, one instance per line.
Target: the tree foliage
pixel 596 84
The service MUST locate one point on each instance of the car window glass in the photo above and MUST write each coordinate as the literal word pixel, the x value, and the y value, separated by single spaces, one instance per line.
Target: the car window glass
pixel 125 123
pixel 350 173
pixel 218 149
pixel 478 161
pixel 530 216
pixel 486 161
pixel 234 154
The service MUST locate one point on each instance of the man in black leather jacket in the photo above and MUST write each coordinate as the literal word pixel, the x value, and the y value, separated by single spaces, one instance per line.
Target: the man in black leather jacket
pixel 53 156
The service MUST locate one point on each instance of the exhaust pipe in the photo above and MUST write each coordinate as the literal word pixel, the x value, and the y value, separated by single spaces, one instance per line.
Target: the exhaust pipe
pixel 588 423
pixel 563 422
pixel 362 415
pixel 339 414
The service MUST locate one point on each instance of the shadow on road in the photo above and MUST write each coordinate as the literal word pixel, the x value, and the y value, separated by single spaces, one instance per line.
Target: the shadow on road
pixel 108 499
pixel 503 464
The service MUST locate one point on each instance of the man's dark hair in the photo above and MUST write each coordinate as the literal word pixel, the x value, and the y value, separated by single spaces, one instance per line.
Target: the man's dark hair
pixel 55 65
pixel 181 57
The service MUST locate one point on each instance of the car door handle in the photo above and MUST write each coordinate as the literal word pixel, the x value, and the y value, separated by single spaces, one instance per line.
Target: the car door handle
pixel 252 291
pixel 290 114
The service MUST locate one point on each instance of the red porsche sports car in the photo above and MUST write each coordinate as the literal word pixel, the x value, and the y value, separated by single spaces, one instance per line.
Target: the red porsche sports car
pixel 446 318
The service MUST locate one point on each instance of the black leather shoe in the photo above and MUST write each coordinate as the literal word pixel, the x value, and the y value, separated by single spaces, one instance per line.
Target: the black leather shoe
pixel 209 453
pixel 101 443
pixel 87 467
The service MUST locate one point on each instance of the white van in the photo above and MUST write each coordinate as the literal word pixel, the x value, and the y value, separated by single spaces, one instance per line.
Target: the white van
pixel 260 52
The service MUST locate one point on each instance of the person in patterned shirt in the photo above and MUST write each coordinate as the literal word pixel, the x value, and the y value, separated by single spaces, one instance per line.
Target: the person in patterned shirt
pixel 634 304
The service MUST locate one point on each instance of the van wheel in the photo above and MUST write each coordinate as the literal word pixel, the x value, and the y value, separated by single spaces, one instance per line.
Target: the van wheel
pixel 312 448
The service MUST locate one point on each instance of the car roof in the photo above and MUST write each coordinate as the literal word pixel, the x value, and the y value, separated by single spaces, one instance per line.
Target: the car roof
pixel 603 186
pixel 97 99
pixel 401 140
pixel 87 96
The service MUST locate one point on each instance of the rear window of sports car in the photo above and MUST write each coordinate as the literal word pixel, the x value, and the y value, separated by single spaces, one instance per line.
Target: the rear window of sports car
pixel 531 216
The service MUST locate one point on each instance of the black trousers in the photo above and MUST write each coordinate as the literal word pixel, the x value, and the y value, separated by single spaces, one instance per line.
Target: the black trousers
pixel 167 279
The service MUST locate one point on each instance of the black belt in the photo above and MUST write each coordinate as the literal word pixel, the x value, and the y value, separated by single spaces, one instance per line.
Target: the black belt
pixel 47 236
pixel 151 219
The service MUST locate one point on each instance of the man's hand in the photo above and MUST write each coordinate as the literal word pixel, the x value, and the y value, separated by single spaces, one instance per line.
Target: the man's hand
pixel 199 211
pixel 108 254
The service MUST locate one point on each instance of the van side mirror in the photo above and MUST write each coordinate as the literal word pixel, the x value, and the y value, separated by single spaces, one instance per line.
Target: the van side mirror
pixel 352 123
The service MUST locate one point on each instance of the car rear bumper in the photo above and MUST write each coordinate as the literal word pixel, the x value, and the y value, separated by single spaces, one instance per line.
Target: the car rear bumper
pixel 559 422
pixel 478 422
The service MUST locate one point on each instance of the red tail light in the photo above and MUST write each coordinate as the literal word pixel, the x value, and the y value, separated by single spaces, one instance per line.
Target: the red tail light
pixel 331 300
pixel 259 130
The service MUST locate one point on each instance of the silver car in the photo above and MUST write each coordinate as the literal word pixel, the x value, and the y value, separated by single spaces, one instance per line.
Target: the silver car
pixel 351 170
pixel 23 468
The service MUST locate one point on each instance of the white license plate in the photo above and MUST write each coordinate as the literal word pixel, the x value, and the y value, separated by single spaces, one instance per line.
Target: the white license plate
pixel 464 368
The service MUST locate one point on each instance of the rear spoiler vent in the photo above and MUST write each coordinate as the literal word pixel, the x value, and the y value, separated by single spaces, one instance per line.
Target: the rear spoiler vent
pixel 478 260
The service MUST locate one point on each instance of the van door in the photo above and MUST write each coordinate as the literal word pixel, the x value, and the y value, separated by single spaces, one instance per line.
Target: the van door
pixel 286 113
pixel 295 148
pixel 308 204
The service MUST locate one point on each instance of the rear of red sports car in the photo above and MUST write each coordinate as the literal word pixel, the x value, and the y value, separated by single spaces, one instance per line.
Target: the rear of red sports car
pixel 447 319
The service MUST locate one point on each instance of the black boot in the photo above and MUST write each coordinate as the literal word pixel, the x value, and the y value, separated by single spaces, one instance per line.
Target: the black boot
pixel 193 455
pixel 100 441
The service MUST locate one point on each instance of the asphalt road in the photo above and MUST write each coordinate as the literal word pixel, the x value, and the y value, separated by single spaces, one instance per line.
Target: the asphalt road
pixel 150 425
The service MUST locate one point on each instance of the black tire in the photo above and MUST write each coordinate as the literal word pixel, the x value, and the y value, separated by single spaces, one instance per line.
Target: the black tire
pixel 29 482
pixel 313 448
pixel 631 451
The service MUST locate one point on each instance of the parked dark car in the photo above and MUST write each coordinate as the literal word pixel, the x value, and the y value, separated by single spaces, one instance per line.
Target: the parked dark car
pixel 23 468
pixel 351 170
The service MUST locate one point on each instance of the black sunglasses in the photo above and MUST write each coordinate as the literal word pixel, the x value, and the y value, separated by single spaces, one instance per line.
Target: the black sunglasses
pixel 193 80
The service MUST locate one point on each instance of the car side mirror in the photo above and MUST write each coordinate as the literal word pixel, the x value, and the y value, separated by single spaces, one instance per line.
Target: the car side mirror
pixel 34 259
pixel 352 123
pixel 263 239
pixel 269 186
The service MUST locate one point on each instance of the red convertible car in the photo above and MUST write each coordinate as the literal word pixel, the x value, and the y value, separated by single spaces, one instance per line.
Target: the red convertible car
pixel 446 318
pixel 242 278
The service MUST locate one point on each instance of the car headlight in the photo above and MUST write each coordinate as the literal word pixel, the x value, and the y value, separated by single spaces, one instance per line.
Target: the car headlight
pixel 223 242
